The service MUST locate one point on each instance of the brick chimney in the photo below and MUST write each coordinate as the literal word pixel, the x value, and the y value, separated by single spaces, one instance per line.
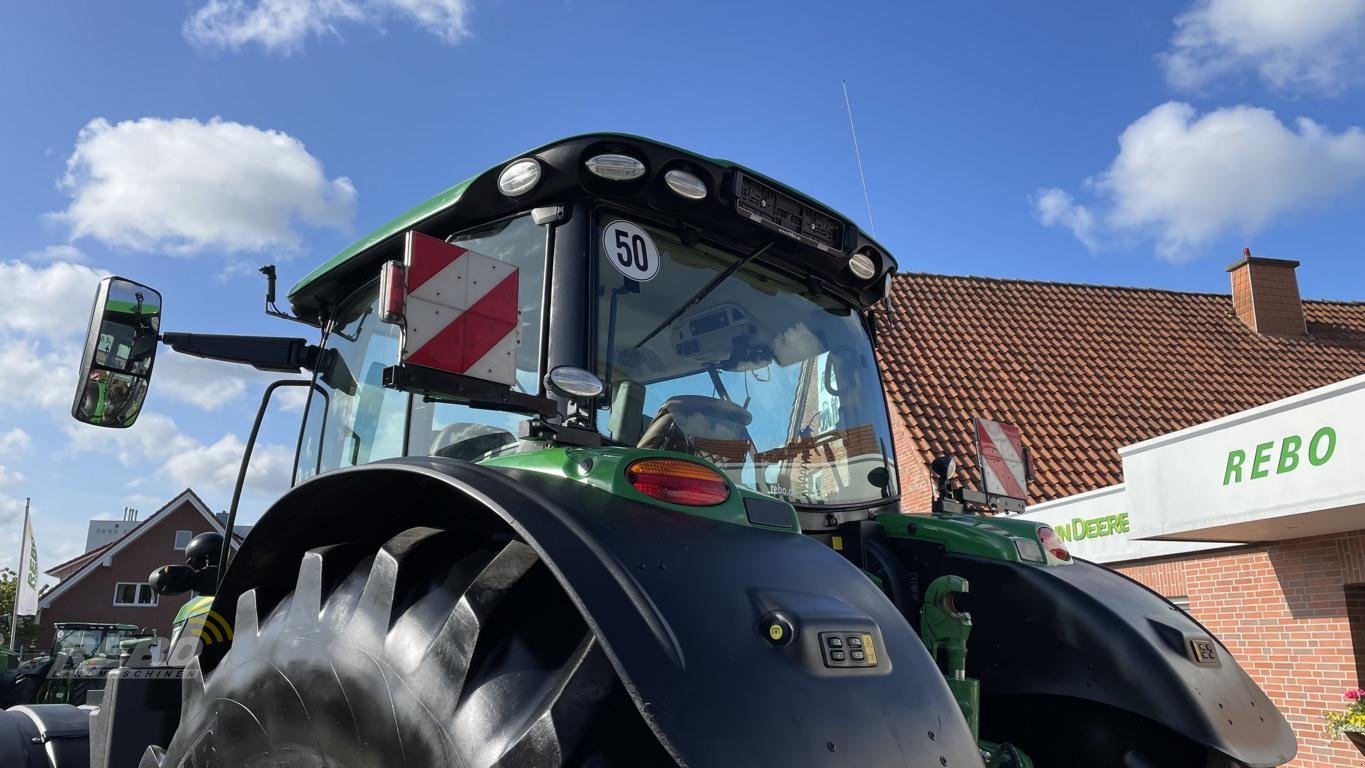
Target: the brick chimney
pixel 1265 293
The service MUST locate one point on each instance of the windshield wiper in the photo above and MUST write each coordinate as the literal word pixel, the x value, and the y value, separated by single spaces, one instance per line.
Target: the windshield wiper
pixel 703 293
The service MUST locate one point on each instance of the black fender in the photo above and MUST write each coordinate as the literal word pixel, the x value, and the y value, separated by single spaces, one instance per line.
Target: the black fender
pixel 681 604
pixel 1087 632
pixel 45 736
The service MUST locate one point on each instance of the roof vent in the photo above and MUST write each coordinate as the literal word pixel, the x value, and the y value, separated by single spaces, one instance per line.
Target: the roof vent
pixel 1265 293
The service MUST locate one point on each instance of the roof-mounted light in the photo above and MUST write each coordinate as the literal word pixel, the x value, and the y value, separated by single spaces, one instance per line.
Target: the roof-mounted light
pixel 613 167
pixel 862 265
pixel 519 177
pixel 685 184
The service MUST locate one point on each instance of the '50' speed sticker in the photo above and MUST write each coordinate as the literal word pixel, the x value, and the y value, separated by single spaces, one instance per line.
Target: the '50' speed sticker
pixel 630 250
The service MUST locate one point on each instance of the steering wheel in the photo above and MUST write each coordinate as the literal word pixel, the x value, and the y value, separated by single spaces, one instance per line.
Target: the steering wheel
pixel 715 407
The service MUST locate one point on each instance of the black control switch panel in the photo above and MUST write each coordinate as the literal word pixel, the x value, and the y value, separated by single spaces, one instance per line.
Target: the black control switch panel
pixel 848 649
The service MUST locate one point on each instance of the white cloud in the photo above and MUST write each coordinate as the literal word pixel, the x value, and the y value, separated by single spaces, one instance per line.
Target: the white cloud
pixel 14 441
pixel 154 437
pixel 1318 45
pixel 36 377
pixel 52 301
pixel 206 384
pixel 181 186
pixel 1056 208
pixel 214 467
pixel 282 26
pixel 9 478
pixel 291 399
pixel 59 252
pixel 187 462
pixel 1183 179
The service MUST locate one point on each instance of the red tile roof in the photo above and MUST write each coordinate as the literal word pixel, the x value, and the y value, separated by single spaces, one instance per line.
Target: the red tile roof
pixel 1084 369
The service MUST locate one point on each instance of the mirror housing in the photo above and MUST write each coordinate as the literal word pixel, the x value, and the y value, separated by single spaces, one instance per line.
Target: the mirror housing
pixel 120 347
pixel 172 579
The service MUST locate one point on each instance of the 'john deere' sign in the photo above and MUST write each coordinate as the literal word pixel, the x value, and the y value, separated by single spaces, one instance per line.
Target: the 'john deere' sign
pixel 1080 528
pixel 1097 526
pixel 1242 477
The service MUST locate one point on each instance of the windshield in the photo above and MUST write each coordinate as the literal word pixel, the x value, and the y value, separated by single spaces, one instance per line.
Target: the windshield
pixel 777 386
pixel 90 642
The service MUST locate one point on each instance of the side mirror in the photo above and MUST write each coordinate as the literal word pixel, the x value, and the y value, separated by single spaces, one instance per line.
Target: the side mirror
pixel 172 579
pixel 120 346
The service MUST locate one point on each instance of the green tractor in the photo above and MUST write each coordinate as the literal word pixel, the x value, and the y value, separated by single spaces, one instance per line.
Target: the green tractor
pixel 81 653
pixel 597 470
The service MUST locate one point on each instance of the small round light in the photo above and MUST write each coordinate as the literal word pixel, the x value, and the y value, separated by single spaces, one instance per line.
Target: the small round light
pixel 862 266
pixel 616 167
pixel 519 177
pixel 568 381
pixel 685 184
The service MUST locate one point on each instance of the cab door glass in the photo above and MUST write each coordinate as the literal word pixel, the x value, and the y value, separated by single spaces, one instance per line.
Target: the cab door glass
pixel 360 420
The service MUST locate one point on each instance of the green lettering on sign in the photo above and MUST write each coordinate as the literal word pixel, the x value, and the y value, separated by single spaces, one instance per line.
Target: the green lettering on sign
pixel 1320 449
pixel 1233 473
pixel 1322 445
pixel 1289 454
pixel 1080 528
pixel 1262 458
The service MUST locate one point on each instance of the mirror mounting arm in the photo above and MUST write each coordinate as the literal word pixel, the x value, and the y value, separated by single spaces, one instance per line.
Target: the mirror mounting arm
pixel 270 308
pixel 265 353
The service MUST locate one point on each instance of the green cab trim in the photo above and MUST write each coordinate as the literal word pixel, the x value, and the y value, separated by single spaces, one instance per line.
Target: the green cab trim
pixel 398 224
pixel 196 606
pixel 989 537
pixel 605 469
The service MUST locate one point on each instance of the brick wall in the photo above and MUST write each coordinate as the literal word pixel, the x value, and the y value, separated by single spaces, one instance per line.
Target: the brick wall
pixel 1283 611
pixel 917 485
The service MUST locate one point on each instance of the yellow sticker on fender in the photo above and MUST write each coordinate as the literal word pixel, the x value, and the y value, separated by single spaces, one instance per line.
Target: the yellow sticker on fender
pixel 870 649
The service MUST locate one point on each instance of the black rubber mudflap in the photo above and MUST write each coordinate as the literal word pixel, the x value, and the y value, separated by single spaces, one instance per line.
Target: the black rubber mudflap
pixel 434 651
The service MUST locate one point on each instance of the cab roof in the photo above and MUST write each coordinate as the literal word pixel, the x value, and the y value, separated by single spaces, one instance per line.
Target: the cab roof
pixel 454 206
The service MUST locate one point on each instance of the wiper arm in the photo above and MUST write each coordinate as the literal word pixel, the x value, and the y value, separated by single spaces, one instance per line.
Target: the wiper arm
pixel 703 293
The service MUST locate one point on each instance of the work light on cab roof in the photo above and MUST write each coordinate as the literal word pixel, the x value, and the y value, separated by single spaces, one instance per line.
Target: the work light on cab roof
pixel 615 167
pixel 685 184
pixel 519 177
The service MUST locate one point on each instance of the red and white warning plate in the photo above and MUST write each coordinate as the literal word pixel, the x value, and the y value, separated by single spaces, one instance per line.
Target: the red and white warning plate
pixel 460 311
pixel 1000 451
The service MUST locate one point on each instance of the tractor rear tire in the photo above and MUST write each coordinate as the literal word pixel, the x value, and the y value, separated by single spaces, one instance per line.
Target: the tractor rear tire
pixel 433 651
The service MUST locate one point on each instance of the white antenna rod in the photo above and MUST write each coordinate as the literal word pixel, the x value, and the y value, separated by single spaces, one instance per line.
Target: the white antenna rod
pixel 867 199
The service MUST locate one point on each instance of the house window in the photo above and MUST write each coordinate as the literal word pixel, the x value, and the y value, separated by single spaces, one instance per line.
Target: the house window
pixel 1181 601
pixel 182 539
pixel 134 594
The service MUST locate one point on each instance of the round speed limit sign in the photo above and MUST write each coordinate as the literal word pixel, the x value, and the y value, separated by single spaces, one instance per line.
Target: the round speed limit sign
pixel 630 249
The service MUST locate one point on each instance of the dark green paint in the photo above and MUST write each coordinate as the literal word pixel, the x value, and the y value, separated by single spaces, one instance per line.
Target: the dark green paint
pixel 990 537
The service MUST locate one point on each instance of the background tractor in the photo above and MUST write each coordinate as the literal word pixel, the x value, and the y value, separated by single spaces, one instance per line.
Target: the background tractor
pixel 596 470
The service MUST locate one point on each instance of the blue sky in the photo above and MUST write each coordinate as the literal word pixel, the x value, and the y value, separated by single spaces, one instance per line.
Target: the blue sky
pixel 183 144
